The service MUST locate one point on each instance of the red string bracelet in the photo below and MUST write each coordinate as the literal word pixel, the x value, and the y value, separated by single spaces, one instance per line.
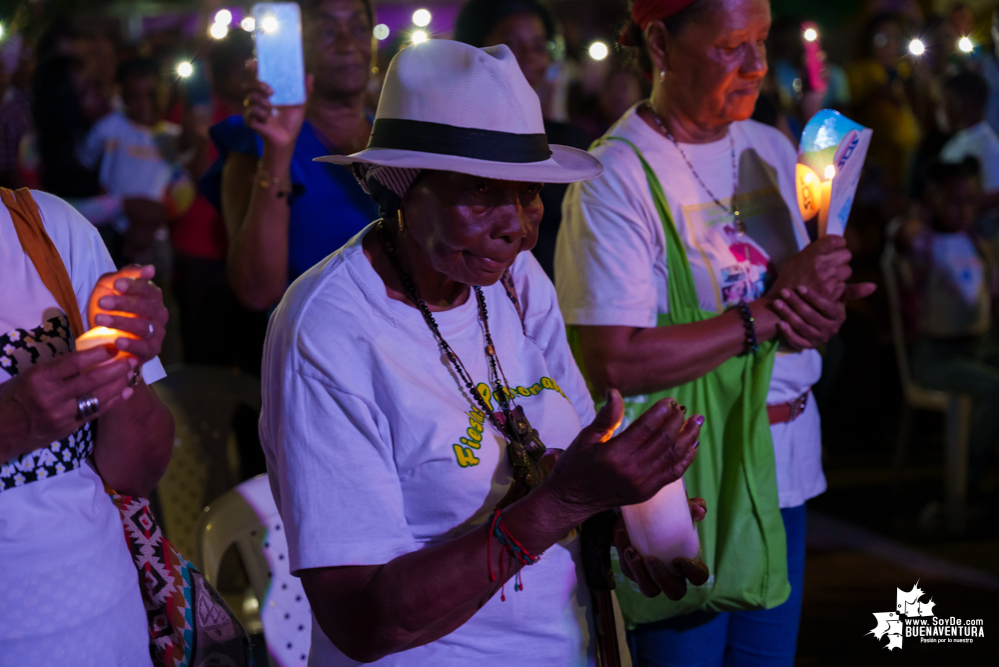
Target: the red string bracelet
pixel 510 543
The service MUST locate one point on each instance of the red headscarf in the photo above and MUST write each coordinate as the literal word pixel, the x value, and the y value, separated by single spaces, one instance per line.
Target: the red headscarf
pixel 644 12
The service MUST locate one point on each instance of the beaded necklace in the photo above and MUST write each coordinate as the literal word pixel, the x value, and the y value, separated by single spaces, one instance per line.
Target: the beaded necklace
pixel 524 446
pixel 740 226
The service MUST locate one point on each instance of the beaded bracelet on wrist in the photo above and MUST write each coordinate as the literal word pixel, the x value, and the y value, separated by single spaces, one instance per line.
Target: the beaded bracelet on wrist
pixel 749 324
pixel 509 543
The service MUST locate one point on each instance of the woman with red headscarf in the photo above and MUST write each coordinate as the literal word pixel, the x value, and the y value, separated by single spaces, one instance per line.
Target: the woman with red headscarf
pixel 685 263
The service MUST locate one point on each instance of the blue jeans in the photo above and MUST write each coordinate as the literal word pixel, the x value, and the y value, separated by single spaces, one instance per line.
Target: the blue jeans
pixel 764 637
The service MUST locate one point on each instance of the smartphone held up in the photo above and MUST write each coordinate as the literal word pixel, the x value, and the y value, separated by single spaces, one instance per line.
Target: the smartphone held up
pixel 277 36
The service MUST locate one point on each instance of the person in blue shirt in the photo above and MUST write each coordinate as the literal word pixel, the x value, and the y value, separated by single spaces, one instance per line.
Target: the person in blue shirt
pixel 283 212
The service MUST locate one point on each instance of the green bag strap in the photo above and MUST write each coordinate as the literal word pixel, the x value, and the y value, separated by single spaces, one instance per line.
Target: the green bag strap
pixel 680 286
pixel 738 389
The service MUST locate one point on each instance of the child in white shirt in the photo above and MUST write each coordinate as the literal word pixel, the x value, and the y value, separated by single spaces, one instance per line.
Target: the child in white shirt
pixel 953 291
pixel 130 150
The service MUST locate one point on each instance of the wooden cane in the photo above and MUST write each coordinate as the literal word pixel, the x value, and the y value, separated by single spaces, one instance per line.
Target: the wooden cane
pixel 595 545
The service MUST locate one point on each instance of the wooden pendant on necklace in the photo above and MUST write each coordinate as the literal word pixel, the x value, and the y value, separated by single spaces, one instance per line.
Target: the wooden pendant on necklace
pixel 524 448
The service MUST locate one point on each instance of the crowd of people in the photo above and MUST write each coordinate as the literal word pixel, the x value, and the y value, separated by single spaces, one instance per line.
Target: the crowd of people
pixel 490 302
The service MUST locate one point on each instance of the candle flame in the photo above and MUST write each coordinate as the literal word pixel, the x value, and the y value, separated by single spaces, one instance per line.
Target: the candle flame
pixel 101 331
pixel 830 171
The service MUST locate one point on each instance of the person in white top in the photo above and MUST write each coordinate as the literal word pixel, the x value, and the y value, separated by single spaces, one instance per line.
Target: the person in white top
pixel 729 183
pixel 69 423
pixel 965 98
pixel 412 376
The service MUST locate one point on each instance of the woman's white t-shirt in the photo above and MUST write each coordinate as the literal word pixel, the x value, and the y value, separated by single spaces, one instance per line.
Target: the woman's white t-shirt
pixel 373 450
pixel 69 590
pixel 610 258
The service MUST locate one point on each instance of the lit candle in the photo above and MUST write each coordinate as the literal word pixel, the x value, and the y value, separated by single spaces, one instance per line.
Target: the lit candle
pixel 101 336
pixel 809 192
pixel 662 526
pixel 98 335
pixel 826 197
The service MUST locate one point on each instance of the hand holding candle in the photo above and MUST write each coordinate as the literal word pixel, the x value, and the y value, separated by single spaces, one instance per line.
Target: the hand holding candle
pixel 830 160
pixel 662 556
pixel 126 310
pixel 662 526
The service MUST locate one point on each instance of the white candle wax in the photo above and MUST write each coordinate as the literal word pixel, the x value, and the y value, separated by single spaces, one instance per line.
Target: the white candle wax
pixel 662 527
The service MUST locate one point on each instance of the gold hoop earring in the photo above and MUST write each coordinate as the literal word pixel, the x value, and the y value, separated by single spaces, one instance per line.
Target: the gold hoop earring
pixel 402 223
pixel 662 75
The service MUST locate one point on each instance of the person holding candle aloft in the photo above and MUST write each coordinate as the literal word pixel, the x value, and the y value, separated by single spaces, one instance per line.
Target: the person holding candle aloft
pixel 71 422
pixel 678 270
pixel 273 196
pixel 414 379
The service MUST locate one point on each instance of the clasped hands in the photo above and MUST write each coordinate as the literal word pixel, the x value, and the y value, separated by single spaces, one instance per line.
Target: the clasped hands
pixel 810 293
pixel 40 404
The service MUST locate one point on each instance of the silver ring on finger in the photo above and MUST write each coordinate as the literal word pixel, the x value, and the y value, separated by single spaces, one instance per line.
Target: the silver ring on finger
pixel 87 406
pixel 151 330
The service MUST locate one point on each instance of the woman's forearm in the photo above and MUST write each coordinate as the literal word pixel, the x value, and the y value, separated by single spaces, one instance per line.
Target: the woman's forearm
pixel 639 361
pixel 417 598
pixel 255 204
pixel 134 443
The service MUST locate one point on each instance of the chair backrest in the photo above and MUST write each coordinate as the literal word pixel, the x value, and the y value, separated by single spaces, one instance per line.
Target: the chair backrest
pixel 247 518
pixel 204 464
pixel 889 269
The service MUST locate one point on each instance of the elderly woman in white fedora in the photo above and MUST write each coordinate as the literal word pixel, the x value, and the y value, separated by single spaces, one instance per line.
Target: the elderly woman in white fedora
pixel 412 376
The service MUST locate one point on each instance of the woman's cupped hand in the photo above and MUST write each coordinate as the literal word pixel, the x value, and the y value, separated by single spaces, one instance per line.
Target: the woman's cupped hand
pixel 127 300
pixel 602 471
pixel 810 293
pixel 650 573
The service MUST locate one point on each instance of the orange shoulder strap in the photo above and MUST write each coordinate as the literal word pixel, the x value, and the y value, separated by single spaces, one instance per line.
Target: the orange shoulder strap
pixel 43 253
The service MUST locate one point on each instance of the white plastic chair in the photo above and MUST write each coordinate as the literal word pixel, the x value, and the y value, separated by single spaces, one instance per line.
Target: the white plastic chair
pixel 203 401
pixel 247 517
pixel 956 408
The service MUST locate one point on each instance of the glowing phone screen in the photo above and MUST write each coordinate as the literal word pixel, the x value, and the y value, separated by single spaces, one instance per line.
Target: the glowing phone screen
pixel 278 37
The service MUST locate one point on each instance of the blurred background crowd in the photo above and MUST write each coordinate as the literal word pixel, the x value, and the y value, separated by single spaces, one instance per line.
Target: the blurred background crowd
pixel 133 112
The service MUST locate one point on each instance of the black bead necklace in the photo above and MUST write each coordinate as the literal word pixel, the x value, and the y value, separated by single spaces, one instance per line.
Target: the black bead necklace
pixel 524 446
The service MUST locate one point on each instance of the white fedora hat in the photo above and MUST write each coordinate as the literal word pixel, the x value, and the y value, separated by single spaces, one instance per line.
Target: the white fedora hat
pixel 452 107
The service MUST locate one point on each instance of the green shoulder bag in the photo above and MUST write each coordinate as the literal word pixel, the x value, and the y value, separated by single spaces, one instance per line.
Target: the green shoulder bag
pixel 742 537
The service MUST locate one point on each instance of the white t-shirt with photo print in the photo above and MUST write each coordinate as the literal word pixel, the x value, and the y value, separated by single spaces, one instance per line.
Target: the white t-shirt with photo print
pixel 610 259
pixel 374 451
pixel 69 590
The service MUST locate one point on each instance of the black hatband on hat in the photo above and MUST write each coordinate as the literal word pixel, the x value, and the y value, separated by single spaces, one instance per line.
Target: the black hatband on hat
pixel 426 137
